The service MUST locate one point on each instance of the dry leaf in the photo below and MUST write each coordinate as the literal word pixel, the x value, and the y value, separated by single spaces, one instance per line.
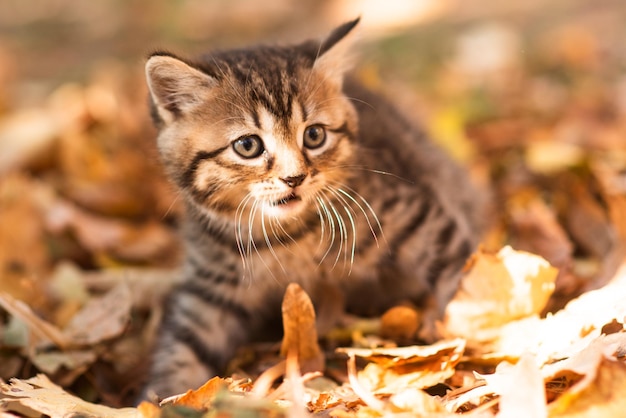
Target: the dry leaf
pixel 26 136
pixel 393 369
pixel 535 229
pixel 202 397
pixel 571 329
pixel 51 362
pixel 300 332
pixel 24 256
pixel 602 397
pixel 584 365
pixel 497 289
pixel 382 381
pixel 443 351
pixel 101 318
pixel 44 330
pixel 412 400
pixel 41 395
pixel 149 410
pixel 126 240
pixel 520 387
pixel 548 157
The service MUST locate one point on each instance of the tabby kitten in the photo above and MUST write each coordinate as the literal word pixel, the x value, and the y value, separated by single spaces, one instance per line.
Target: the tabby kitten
pixel 291 172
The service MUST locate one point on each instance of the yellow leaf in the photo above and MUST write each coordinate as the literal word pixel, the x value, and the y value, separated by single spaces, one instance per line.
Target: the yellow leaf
pixel 499 288
pixel 603 397
pixel 443 351
pixel 393 369
pixel 149 410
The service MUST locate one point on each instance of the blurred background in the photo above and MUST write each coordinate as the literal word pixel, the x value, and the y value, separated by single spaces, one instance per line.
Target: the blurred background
pixel 529 95
pixel 46 42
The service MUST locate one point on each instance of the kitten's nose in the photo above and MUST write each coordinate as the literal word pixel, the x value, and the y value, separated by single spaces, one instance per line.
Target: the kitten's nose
pixel 294 181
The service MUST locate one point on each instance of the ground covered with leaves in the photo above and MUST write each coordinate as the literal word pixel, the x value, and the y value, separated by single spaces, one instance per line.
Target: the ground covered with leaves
pixel 88 244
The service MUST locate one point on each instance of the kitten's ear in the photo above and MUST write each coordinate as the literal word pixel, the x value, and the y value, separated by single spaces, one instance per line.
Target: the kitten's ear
pixel 335 55
pixel 175 87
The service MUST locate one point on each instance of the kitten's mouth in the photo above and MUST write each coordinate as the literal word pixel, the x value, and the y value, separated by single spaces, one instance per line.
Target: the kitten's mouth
pixel 286 200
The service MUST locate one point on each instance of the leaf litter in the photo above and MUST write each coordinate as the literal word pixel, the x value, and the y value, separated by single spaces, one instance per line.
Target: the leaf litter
pixel 88 250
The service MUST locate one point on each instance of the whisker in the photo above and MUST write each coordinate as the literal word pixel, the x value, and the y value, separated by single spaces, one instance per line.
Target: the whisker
pixel 371 170
pixel 365 214
pixel 171 206
pixel 251 244
pixel 226 77
pixel 342 231
pixel 369 207
pixel 351 214
pixel 355 99
pixel 331 225
pixel 239 232
pixel 268 241
pixel 322 222
pixel 275 223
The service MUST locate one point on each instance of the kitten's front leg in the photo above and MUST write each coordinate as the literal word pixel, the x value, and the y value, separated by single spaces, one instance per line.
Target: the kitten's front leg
pixel 204 323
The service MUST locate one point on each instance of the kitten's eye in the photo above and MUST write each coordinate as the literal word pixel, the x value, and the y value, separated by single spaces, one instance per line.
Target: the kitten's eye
pixel 248 146
pixel 314 136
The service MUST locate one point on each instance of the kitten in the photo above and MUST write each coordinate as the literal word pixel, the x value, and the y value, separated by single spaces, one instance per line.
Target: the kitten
pixel 292 172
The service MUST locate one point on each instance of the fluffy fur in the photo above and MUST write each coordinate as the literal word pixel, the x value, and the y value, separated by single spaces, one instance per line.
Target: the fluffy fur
pixel 292 172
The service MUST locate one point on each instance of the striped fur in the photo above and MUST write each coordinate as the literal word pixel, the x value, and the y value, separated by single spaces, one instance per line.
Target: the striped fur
pixel 376 210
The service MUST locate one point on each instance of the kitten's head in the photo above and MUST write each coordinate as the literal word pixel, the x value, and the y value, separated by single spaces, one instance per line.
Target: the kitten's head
pixel 265 130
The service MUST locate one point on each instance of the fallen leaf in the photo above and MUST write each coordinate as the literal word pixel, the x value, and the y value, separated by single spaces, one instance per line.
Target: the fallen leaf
pixel 202 397
pixel 520 387
pixel 52 362
pixel 24 256
pixel 26 136
pixel 44 330
pixel 412 400
pixel 535 229
pixel 571 329
pixel 300 333
pixel 149 410
pixel 602 397
pixel 548 157
pixel 41 395
pixel 392 369
pixel 440 352
pixel 585 363
pixel 101 318
pixel 497 289
pixel 383 381
pixel 117 237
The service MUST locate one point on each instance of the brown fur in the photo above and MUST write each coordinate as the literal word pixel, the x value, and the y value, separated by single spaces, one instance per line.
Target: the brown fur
pixel 377 211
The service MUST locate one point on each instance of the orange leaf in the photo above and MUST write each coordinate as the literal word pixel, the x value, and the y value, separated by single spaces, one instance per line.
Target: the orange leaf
pixel 202 397
pixel 300 332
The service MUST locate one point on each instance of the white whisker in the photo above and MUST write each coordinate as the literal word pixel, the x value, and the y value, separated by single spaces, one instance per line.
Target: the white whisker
pixel 371 211
pixel 322 222
pixel 239 232
pixel 371 170
pixel 351 214
pixel 342 231
pixel 331 226
pixel 268 242
pixel 276 225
